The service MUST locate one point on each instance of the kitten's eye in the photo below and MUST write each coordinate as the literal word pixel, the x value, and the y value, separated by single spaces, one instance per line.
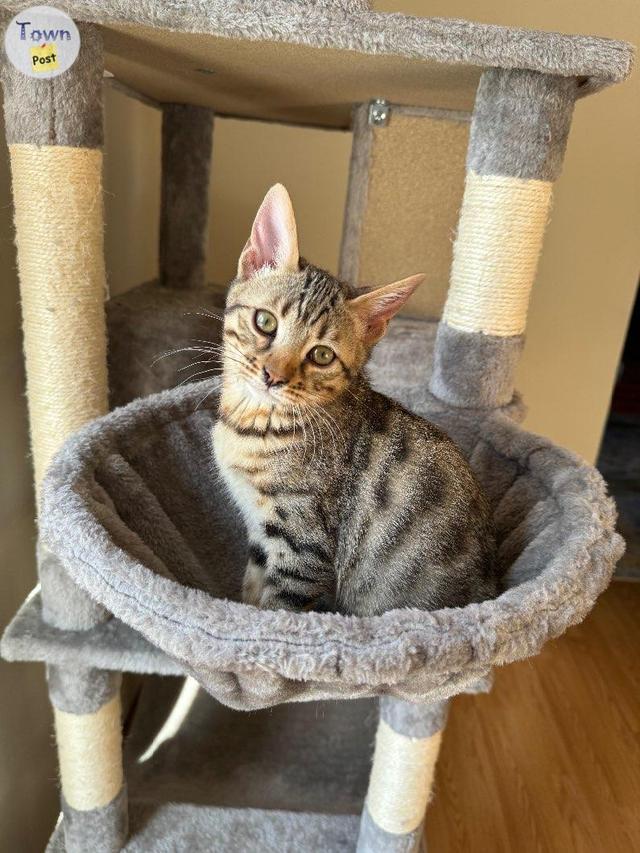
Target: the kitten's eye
pixel 265 322
pixel 321 356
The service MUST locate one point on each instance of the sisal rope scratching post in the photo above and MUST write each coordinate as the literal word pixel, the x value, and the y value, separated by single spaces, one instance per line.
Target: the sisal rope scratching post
pixel 519 132
pixel 90 784
pixel 406 751
pixel 57 197
pixel 54 131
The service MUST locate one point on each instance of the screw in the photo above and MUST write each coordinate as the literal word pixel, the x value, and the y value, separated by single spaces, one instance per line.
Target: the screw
pixel 379 112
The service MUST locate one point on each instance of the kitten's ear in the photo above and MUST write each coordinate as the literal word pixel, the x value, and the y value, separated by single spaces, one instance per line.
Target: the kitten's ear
pixel 274 240
pixel 376 308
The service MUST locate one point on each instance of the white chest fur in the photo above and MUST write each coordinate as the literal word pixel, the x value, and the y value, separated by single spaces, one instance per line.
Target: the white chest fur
pixel 231 452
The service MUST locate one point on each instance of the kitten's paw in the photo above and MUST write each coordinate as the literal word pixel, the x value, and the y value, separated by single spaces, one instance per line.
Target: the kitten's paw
pixel 252 586
pixel 270 600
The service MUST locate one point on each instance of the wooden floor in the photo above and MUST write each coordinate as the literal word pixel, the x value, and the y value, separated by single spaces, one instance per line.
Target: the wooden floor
pixel 550 760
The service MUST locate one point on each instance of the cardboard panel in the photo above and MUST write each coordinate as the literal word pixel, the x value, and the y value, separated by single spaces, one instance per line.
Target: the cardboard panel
pixel 406 189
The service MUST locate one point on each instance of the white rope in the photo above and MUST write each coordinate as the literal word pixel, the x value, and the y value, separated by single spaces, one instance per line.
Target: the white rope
pixel 59 236
pixel 401 779
pixel 500 233
pixel 90 755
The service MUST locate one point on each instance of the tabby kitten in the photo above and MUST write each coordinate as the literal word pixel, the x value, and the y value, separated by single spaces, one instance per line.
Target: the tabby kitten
pixel 351 502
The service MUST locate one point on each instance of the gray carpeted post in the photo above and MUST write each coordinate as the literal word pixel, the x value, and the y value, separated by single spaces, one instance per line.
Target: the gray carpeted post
pixel 187 135
pixel 406 751
pixel 519 131
pixel 54 131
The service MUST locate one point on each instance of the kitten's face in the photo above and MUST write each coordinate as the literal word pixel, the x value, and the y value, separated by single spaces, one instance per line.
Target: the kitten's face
pixel 292 337
pixel 297 337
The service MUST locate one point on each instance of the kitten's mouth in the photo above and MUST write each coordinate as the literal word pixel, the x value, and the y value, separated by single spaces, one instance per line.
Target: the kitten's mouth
pixel 259 393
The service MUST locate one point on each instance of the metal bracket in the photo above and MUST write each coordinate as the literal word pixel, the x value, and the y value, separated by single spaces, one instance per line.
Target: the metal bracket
pixel 379 112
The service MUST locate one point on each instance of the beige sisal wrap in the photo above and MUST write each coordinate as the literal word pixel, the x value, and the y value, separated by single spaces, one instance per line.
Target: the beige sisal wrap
pixel 57 195
pixel 500 233
pixel 90 755
pixel 401 779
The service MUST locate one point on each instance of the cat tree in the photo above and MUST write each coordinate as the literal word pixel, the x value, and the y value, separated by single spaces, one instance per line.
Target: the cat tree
pixel 141 558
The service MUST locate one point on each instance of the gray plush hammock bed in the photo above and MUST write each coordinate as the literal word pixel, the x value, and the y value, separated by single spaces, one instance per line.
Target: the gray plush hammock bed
pixel 141 554
pixel 133 508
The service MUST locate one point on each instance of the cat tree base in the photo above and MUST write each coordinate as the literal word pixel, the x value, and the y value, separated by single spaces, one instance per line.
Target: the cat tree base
pixel 291 778
pixel 200 829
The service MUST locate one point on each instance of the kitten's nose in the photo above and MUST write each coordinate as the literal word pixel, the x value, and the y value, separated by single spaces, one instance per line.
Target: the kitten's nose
pixel 271 378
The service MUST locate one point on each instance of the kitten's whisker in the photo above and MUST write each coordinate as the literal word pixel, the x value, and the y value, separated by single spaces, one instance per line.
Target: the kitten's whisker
pixel 208 394
pixel 293 418
pixel 323 418
pixel 358 399
pixel 204 312
pixel 177 351
pixel 228 351
pixel 235 408
pixel 304 432
pixel 214 359
pixel 323 427
pixel 317 447
pixel 211 346
pixel 221 345
pixel 200 373
pixel 196 363
pixel 322 412
pixel 244 362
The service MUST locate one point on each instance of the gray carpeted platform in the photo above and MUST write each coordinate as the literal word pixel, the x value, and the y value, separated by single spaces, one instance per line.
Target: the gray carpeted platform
pixel 301 756
pixel 290 778
pixel 29 637
pixel 180 828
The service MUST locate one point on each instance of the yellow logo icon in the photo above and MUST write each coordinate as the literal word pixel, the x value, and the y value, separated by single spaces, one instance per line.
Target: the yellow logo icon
pixel 44 58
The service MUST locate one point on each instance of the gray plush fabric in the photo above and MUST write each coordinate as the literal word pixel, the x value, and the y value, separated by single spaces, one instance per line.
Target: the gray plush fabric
pixel 414 720
pixel 373 839
pixel 520 124
pixel 81 690
pixel 519 128
pixel 288 779
pixel 187 139
pixel 180 827
pixel 357 191
pixel 164 552
pixel 474 369
pixel 110 645
pixel 343 26
pixel 101 830
pixel 148 321
pixel 309 759
pixel 401 366
pixel 402 361
pixel 300 756
pixel 64 606
pixel 66 110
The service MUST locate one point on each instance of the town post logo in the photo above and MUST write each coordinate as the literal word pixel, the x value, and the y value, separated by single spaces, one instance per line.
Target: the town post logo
pixel 44 58
pixel 42 42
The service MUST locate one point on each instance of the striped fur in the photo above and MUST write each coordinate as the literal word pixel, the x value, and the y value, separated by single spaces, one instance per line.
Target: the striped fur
pixel 351 502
